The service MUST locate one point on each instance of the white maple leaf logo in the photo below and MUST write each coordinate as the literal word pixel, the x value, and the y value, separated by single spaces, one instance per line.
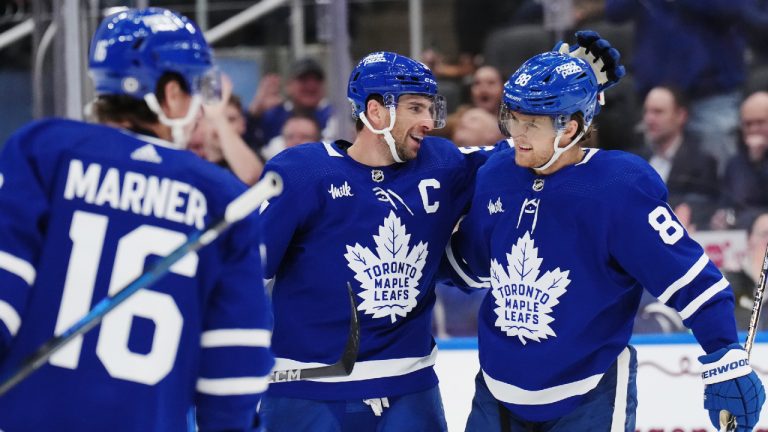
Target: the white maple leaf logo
pixel 524 301
pixel 390 277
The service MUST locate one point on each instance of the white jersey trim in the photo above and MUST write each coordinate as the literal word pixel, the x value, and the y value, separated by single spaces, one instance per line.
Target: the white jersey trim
pixel 460 271
pixel 696 303
pixel 366 370
pixel 519 396
pixel 236 337
pixel 232 386
pixel 331 151
pixel 590 152
pixel 618 423
pixel 685 280
pixel 18 266
pixel 10 317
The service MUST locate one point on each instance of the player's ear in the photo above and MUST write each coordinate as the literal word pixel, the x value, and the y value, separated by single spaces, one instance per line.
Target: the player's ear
pixel 571 129
pixel 377 114
pixel 175 100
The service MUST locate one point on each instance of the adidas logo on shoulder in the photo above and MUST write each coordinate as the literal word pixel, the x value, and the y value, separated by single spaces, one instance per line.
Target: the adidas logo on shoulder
pixel 146 153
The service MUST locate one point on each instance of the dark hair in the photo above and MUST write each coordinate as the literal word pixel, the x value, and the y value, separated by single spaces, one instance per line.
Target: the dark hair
pixel 235 101
pixel 589 134
pixel 124 108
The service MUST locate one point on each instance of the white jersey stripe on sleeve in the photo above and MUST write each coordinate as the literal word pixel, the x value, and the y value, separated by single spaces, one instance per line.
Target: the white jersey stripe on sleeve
pixel 519 396
pixel 618 423
pixel 462 274
pixel 9 317
pixel 18 266
pixel 696 303
pixel 232 386
pixel 366 370
pixel 236 337
pixel 685 280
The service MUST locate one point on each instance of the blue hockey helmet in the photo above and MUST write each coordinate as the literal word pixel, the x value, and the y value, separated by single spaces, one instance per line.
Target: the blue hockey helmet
pixel 132 49
pixel 552 84
pixel 392 75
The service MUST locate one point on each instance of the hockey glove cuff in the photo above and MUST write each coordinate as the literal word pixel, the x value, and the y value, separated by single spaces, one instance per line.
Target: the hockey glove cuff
pixel 732 385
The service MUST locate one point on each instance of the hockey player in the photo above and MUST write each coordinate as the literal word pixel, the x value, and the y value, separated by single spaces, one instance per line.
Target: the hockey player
pixel 85 207
pixel 376 213
pixel 566 238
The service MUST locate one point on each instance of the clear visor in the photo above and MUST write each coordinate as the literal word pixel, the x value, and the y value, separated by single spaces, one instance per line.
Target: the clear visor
pixel 208 86
pixel 433 106
pixel 514 124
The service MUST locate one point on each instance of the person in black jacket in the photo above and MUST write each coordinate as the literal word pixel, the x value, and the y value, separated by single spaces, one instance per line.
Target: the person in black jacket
pixel 688 171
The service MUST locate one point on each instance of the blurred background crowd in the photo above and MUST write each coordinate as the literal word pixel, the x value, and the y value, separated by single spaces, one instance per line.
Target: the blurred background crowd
pixel 694 102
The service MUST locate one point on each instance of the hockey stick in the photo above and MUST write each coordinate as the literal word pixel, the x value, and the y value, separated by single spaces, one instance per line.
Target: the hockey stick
pixel 727 420
pixel 238 209
pixel 343 367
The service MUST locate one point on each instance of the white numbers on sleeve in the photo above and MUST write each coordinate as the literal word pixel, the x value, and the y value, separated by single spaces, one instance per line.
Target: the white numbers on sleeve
pixel 669 229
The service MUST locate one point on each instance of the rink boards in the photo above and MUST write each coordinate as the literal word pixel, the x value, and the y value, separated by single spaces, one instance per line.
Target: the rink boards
pixel 669 387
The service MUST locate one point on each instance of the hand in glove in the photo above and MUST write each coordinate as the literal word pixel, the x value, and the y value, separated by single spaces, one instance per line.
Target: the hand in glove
pixel 732 385
pixel 599 54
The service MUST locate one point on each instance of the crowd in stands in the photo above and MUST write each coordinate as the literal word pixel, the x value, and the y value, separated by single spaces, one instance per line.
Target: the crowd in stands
pixel 694 105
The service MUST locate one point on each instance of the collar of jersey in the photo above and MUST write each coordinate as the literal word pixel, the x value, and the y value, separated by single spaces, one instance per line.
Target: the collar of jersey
pixel 149 139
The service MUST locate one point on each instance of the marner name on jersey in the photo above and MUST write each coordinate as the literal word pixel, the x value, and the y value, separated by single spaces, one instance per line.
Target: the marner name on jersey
pixel 141 194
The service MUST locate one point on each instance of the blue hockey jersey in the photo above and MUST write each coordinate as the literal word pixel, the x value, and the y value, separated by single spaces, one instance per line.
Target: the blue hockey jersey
pixel 381 229
pixel 84 210
pixel 566 257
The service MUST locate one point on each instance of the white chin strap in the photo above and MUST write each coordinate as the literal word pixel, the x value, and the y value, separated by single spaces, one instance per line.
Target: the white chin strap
pixel 177 125
pixel 386 132
pixel 559 151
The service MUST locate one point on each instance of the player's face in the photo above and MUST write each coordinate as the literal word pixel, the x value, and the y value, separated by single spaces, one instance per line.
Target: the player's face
pixel 533 136
pixel 413 120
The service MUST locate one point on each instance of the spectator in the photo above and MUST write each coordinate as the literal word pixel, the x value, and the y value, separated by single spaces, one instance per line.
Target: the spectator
pixel 217 138
pixel 305 95
pixel 487 87
pixel 698 47
pixel 689 173
pixel 298 129
pixel 235 116
pixel 744 281
pixel 746 174
pixel 476 127
pixel 755 18
pixel 486 90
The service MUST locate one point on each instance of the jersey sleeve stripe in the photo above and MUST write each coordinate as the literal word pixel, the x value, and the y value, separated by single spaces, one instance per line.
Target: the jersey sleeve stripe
pixel 685 280
pixel 366 370
pixel 696 303
pixel 232 386
pixel 519 396
pixel 460 271
pixel 236 337
pixel 18 266
pixel 9 317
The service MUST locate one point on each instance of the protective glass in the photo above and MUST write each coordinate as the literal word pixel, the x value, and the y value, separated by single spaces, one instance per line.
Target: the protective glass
pixel 437 108
pixel 512 125
pixel 208 86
